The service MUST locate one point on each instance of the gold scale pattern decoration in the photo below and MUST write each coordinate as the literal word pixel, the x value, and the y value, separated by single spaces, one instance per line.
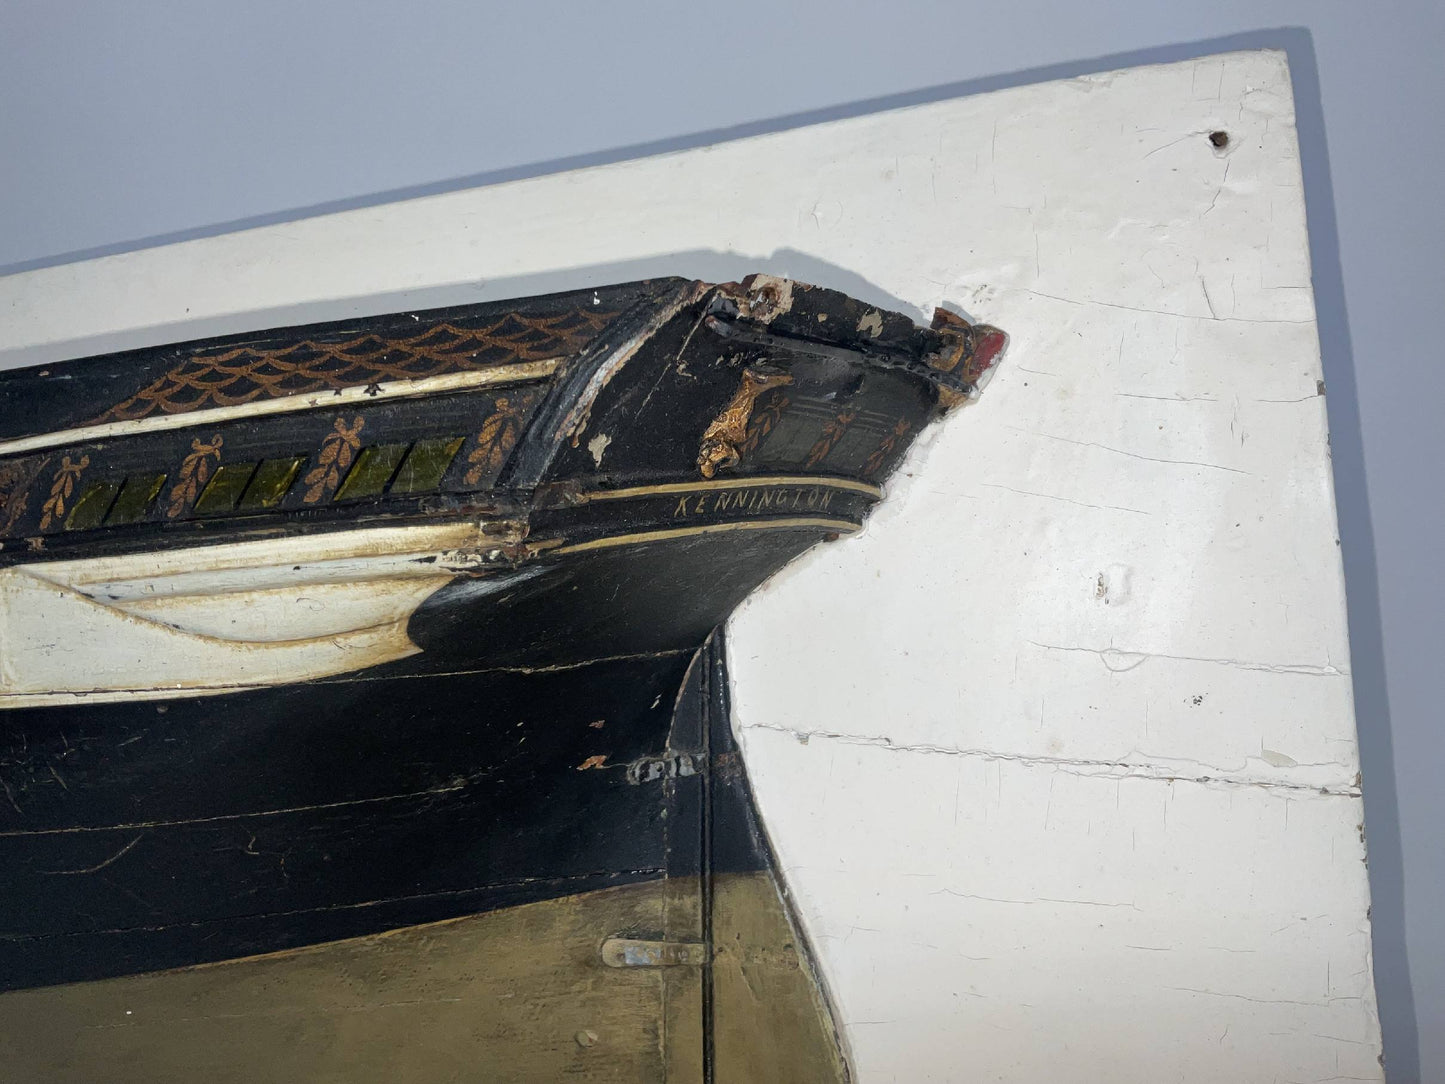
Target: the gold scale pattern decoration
pixel 246 374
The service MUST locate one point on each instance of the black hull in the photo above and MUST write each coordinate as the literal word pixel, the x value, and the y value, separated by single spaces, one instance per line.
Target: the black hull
pixel 403 630
pixel 164 833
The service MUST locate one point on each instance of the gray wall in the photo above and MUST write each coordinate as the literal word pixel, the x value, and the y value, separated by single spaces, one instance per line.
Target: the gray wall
pixel 127 124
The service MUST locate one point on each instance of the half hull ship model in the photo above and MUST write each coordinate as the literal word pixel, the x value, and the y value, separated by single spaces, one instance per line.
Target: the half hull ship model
pixel 374 665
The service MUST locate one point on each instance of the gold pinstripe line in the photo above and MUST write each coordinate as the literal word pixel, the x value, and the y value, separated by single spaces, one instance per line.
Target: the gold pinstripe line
pixel 867 488
pixel 842 526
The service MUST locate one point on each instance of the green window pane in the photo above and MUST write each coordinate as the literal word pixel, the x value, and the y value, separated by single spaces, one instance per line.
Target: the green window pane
pixel 428 460
pixel 224 489
pixel 136 498
pixel 94 503
pixel 371 471
pixel 272 481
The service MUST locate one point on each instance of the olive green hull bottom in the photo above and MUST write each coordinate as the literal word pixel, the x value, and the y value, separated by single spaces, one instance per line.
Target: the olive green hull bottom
pixel 520 994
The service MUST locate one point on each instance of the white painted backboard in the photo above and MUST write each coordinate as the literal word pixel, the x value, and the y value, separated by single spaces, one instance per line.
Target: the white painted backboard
pixel 1058 756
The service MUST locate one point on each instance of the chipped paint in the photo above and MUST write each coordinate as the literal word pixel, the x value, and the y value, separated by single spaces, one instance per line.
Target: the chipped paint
pixel 665 766
pixel 597 447
pixel 632 952
pixel 574 423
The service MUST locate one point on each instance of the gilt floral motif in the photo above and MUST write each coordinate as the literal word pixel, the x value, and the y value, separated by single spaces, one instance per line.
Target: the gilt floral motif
pixel 880 454
pixel 337 451
pixel 195 473
pixel 61 488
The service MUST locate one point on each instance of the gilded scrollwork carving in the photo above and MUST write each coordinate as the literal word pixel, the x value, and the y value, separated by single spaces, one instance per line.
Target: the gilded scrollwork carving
pixel 723 439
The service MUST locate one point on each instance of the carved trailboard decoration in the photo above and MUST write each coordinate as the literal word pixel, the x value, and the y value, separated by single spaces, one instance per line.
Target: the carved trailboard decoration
pixel 405 625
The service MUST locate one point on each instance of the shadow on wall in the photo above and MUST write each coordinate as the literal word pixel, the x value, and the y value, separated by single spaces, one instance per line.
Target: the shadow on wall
pixel 1392 975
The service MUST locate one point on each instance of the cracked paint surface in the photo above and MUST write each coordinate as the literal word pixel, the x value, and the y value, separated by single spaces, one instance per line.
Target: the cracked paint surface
pixel 1039 832
pixel 1059 754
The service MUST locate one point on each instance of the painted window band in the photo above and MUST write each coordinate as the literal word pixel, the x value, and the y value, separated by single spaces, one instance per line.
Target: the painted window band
pixel 403 469
pixel 271 482
pixel 137 497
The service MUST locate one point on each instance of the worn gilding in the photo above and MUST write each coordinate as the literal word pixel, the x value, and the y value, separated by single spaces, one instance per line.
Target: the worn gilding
pixel 729 429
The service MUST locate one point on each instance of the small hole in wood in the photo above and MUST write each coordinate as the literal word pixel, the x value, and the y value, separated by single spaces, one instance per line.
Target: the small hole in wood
pixel 1220 140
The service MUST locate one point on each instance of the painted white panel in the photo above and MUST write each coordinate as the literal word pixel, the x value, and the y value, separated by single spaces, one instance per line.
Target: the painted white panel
pixel 281 614
pixel 1058 755
pixel 993 918
pixel 210 620
pixel 56 644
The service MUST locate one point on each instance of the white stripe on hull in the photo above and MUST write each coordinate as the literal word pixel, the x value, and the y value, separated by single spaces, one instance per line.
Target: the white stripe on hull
pixel 246 615
pixel 218 619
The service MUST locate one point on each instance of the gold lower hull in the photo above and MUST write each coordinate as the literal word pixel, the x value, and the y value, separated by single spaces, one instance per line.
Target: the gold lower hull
pixel 516 995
